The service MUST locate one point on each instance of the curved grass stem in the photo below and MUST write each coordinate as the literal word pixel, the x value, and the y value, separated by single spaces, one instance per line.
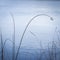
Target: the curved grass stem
pixel 26 30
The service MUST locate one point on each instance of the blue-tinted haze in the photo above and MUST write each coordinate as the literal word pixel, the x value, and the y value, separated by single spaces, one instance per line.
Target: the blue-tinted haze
pixel 41 34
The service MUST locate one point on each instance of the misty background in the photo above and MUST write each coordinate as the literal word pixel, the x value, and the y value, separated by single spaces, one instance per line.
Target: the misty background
pixel 23 10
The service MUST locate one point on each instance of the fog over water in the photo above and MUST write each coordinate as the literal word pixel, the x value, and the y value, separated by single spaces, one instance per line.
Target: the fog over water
pixel 40 32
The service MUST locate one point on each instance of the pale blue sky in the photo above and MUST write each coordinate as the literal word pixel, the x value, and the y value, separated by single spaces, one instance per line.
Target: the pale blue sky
pixel 23 11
